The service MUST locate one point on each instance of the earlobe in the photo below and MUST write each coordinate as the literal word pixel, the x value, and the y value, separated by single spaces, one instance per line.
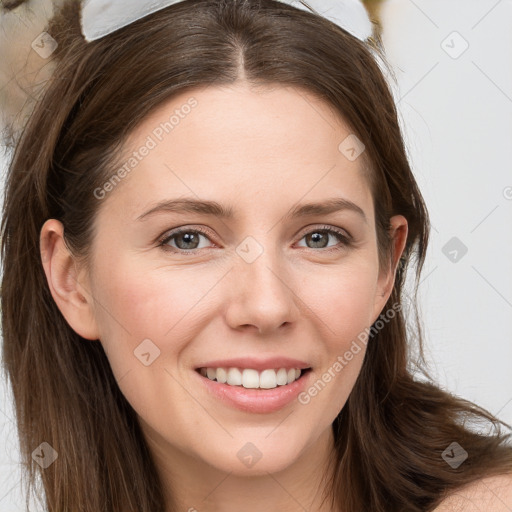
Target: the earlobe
pixel 399 231
pixel 71 297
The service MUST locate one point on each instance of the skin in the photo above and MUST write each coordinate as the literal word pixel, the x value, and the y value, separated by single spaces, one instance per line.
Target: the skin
pixel 260 151
pixel 490 493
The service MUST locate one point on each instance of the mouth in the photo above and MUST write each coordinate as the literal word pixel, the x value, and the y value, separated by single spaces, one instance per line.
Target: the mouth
pixel 244 389
pixel 249 378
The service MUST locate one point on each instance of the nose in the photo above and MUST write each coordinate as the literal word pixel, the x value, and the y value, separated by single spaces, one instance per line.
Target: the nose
pixel 263 296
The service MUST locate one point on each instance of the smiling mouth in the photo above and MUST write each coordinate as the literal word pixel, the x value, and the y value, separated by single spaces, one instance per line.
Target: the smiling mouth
pixel 251 379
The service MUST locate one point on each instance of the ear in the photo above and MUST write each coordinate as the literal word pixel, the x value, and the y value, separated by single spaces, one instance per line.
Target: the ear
pixel 72 297
pixel 386 281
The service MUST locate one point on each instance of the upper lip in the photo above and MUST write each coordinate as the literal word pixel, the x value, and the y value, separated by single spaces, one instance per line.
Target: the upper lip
pixel 256 364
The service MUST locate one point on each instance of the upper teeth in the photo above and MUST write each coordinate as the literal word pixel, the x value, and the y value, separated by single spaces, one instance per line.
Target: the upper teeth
pixel 250 378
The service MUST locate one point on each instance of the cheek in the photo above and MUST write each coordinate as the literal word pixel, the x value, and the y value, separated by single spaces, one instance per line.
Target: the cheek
pixel 343 298
pixel 342 302
pixel 135 302
pixel 147 316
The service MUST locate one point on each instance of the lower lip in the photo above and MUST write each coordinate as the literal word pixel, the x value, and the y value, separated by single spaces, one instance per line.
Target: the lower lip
pixel 256 400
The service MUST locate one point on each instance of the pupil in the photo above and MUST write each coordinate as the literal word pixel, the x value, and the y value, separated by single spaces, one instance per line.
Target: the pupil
pixel 316 237
pixel 188 238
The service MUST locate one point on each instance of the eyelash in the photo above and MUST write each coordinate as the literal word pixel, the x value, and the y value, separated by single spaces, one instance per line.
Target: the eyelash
pixel 346 241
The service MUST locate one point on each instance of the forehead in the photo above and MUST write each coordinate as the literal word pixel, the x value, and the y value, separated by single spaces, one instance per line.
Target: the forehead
pixel 246 144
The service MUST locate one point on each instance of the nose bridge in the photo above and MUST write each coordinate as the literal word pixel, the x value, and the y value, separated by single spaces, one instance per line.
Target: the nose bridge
pixel 263 292
pixel 261 264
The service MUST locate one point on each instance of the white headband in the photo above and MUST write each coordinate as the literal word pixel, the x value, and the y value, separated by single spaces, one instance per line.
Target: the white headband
pixel 102 17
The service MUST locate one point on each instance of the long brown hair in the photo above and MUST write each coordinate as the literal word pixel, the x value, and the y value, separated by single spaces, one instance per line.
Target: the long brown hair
pixel 390 435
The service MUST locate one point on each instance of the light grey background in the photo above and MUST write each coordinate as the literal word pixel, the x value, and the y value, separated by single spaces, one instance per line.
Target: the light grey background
pixel 456 110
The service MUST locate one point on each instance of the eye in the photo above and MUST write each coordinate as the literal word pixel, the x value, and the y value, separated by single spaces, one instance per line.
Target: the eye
pixel 187 240
pixel 319 238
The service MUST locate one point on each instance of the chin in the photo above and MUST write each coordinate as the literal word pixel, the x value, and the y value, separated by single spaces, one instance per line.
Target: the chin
pixel 254 455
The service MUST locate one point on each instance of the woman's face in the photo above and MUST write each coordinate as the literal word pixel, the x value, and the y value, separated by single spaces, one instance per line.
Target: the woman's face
pixel 271 280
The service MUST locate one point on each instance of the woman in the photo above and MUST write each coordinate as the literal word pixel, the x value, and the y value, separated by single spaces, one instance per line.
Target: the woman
pixel 208 223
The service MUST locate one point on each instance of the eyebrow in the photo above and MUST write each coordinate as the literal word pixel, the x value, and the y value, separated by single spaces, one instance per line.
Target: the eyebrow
pixel 205 207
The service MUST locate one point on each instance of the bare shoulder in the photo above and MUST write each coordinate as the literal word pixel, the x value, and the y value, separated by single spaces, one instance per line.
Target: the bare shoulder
pixel 490 493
